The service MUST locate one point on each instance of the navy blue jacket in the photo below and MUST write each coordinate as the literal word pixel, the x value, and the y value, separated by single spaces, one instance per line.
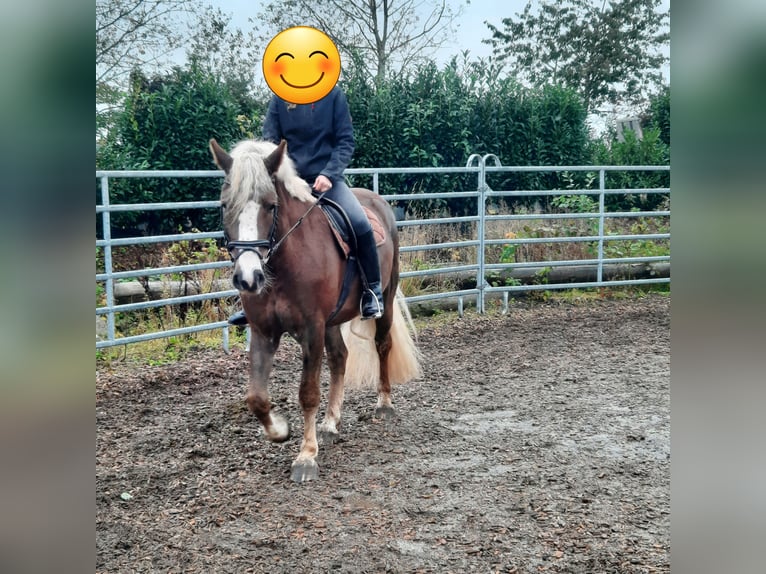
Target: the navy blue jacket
pixel 320 137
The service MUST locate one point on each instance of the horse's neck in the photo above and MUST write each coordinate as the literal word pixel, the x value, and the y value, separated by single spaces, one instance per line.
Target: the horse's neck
pixel 291 208
pixel 294 217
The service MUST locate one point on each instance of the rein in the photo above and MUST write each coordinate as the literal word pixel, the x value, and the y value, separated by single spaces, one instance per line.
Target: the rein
pixel 271 243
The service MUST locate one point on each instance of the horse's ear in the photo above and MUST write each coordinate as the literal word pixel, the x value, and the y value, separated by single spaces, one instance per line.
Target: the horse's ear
pixel 274 160
pixel 220 157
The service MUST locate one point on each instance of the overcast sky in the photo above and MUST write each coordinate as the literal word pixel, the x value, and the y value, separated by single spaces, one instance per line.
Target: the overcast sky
pixel 471 27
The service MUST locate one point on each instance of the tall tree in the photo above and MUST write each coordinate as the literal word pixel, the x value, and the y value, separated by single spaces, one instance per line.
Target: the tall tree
pixel 609 51
pixel 224 52
pixel 139 35
pixel 380 36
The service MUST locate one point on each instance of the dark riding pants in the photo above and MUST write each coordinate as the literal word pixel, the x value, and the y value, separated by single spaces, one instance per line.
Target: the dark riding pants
pixel 342 195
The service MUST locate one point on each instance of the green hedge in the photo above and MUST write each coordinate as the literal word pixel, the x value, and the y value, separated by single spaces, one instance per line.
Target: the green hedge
pixel 166 124
pixel 433 117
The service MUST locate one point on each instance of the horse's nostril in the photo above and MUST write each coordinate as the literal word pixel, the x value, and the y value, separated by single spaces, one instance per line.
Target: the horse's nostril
pixel 254 283
pixel 240 284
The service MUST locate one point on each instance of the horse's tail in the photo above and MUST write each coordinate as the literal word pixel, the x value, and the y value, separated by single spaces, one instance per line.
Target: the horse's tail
pixel 363 365
pixel 404 358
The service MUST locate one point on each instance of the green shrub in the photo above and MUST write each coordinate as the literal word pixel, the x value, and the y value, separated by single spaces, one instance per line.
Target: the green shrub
pixel 166 123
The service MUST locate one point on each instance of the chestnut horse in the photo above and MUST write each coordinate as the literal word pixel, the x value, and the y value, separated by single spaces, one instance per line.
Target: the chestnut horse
pixel 289 272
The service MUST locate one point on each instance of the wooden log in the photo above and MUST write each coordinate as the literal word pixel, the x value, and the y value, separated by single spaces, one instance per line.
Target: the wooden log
pixel 577 273
pixel 134 291
pixel 551 275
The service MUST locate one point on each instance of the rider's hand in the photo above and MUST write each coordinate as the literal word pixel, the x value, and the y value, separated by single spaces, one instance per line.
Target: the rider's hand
pixel 322 184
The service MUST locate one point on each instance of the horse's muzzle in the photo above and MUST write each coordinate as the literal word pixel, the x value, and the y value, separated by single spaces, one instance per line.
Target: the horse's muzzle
pixel 253 281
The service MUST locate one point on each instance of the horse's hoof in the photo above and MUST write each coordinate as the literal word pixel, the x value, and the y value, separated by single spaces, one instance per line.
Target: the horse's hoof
pixel 279 430
pixel 304 470
pixel 328 437
pixel 385 413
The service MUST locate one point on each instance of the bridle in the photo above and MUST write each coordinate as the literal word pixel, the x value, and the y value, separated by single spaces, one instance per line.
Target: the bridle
pixel 236 248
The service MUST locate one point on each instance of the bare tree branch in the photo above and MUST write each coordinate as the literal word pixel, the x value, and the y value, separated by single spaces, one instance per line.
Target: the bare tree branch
pixel 382 36
pixel 133 33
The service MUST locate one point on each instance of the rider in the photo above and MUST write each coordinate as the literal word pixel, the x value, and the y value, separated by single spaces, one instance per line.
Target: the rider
pixel 320 141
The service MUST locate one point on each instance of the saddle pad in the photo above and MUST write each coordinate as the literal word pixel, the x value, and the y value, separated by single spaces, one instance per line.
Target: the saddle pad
pixel 377 227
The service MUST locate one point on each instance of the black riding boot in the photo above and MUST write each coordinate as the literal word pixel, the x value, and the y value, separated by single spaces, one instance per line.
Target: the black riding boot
pixel 371 305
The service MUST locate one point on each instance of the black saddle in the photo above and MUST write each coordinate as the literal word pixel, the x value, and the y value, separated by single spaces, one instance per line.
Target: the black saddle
pixel 338 219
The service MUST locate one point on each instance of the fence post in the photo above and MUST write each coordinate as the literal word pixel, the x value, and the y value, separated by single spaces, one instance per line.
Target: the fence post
pixel 480 280
pixel 106 223
pixel 601 203
pixel 480 208
pixel 483 189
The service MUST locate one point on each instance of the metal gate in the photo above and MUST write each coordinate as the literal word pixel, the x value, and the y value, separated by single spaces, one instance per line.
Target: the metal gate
pixel 600 265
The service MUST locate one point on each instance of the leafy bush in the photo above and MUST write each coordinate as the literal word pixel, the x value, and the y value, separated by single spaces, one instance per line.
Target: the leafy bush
pixel 166 123
pixel 658 114
pixel 439 117
pixel 650 150
pixel 433 117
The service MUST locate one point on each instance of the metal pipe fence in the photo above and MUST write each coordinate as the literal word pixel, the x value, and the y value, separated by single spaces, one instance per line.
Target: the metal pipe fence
pixel 482 223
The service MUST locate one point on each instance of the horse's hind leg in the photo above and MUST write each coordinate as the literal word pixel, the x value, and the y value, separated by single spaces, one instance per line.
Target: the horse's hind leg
pixel 383 342
pixel 262 352
pixel 336 359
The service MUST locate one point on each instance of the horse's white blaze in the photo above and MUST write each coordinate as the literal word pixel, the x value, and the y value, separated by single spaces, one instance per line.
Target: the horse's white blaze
pixel 249 263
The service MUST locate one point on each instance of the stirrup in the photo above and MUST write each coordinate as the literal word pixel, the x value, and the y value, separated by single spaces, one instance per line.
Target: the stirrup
pixel 370 309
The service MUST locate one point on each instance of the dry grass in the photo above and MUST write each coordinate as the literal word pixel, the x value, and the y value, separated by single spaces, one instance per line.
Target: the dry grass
pixel 529 252
pixel 169 316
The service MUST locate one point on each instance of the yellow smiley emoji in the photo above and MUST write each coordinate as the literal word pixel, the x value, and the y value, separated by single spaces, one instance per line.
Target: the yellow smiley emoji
pixel 301 65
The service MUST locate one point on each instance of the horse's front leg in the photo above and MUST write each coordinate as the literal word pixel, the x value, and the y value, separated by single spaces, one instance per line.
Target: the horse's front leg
pixel 304 467
pixel 336 359
pixel 262 351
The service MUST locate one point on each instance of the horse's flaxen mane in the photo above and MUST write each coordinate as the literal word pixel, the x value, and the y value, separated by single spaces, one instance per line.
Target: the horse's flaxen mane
pixel 249 176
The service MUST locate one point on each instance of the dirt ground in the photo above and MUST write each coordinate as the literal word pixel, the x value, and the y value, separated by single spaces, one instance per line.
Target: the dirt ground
pixel 537 441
